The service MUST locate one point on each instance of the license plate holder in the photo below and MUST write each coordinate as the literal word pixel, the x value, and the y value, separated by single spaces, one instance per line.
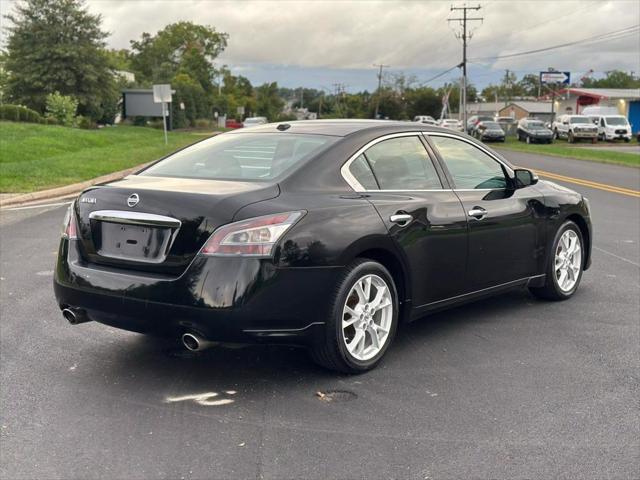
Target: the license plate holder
pixel 140 243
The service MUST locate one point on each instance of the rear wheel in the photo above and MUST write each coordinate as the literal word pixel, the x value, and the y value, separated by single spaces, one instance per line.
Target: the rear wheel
pixel 564 267
pixel 363 319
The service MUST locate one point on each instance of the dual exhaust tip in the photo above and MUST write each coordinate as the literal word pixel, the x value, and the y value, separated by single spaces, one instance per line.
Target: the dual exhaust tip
pixel 191 341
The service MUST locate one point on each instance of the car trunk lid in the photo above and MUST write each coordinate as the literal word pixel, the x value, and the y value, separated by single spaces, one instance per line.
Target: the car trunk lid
pixel 158 224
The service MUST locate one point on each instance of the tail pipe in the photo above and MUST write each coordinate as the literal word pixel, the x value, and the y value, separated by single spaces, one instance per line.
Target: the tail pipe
pixel 75 316
pixel 196 343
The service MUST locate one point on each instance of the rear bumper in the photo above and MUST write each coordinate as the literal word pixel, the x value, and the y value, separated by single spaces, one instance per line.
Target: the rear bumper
pixel 221 298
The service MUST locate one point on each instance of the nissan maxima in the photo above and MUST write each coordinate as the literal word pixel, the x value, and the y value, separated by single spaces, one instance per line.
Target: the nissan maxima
pixel 325 234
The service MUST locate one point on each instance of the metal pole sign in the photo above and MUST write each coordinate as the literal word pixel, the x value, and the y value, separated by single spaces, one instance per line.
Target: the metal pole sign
pixel 162 94
pixel 563 78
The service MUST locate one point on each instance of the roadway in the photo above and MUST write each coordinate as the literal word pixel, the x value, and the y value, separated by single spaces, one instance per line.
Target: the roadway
pixel 510 387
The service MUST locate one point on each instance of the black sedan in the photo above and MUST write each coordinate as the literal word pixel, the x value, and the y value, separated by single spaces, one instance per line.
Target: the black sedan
pixel 531 130
pixel 327 234
pixel 489 132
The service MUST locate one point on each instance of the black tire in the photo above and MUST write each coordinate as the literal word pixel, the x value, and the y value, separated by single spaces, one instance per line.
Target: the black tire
pixel 551 290
pixel 332 352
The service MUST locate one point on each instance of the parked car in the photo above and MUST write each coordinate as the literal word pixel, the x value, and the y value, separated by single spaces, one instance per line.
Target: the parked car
pixel 612 127
pixel 489 131
pixel 426 119
pixel 322 233
pixel 531 130
pixel 451 124
pixel 232 123
pixel 575 127
pixel 253 121
pixel 473 121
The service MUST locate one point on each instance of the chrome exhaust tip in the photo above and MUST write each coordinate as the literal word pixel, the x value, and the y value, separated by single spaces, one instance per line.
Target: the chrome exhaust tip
pixel 75 316
pixel 195 343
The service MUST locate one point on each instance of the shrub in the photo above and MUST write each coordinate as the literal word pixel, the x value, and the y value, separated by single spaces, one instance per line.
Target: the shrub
pixel 140 121
pixel 156 124
pixel 63 108
pixel 18 113
pixel 202 123
pixel 50 121
pixel 85 123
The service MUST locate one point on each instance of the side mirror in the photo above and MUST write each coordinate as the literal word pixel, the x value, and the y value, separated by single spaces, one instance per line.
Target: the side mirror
pixel 524 178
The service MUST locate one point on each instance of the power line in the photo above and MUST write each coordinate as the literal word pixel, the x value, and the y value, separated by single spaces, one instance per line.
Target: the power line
pixel 435 77
pixel 602 37
pixel 464 36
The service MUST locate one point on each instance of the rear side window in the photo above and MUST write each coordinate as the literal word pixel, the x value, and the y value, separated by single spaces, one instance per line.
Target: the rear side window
pixel 402 163
pixel 361 171
pixel 244 156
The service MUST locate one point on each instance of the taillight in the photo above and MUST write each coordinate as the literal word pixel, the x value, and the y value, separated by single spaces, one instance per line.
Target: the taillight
pixel 254 237
pixel 69 227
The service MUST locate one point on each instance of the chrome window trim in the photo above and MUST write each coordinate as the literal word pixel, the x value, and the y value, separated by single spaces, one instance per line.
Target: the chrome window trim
pixel 135 218
pixel 357 187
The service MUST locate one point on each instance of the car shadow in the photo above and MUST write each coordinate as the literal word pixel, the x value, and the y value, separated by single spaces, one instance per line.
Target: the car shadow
pixel 158 362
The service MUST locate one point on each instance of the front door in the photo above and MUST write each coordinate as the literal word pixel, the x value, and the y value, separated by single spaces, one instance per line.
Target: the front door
pixel 426 220
pixel 506 227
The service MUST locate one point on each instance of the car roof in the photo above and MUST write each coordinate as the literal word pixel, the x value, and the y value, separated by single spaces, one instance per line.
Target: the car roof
pixel 337 127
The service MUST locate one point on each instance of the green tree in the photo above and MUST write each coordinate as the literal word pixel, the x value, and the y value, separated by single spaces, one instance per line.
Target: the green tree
pixel 530 85
pixel 268 102
pixel 613 79
pixel 182 47
pixel 56 45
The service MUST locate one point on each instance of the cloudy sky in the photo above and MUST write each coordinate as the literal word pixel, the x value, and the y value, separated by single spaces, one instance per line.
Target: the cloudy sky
pixel 323 42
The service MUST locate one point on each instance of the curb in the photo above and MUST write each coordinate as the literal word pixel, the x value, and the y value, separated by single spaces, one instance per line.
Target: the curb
pixel 67 190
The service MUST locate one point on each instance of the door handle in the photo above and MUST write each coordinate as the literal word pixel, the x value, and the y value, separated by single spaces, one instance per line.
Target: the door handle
pixel 401 219
pixel 478 213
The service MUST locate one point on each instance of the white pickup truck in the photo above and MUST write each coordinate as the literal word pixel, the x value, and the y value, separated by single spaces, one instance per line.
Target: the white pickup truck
pixel 575 127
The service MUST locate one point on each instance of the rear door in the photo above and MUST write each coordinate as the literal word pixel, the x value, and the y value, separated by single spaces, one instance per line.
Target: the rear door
pixel 506 225
pixel 423 216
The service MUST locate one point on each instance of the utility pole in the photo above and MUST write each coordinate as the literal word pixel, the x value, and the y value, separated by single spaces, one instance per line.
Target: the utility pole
pixel 464 36
pixel 381 66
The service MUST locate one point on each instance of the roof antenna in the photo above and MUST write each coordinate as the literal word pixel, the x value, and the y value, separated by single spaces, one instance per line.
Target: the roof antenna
pixel 283 126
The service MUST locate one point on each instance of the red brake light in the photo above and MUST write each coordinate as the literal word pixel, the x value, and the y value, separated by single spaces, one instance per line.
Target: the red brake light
pixel 70 227
pixel 254 237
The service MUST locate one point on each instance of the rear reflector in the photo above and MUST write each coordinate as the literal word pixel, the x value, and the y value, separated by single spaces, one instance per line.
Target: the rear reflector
pixel 254 237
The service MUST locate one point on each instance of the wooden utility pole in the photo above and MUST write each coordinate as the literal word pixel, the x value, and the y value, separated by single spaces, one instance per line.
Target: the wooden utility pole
pixel 381 66
pixel 464 35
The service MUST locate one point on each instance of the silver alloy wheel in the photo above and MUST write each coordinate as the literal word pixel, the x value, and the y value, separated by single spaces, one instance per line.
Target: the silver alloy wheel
pixel 568 260
pixel 367 317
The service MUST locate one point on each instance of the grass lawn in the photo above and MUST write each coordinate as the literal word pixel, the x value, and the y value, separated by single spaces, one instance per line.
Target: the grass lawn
pixel 560 148
pixel 36 157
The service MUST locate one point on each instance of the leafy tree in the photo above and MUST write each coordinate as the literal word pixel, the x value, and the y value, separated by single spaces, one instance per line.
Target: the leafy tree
pixel 268 102
pixel 613 79
pixel 182 47
pixel 57 46
pixel 530 85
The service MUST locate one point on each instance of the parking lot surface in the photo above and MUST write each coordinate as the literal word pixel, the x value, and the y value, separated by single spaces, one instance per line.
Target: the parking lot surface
pixel 510 387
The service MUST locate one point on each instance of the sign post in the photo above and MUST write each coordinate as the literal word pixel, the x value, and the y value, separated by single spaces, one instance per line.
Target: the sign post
pixel 553 77
pixel 162 94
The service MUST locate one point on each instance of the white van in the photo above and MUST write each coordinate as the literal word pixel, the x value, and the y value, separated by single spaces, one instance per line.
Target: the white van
pixel 612 127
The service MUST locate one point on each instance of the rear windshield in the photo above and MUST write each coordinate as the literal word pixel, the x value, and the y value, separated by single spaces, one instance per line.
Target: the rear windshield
pixel 491 124
pixel 244 156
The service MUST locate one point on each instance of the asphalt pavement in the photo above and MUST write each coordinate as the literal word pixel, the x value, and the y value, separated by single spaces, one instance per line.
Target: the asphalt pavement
pixel 510 387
